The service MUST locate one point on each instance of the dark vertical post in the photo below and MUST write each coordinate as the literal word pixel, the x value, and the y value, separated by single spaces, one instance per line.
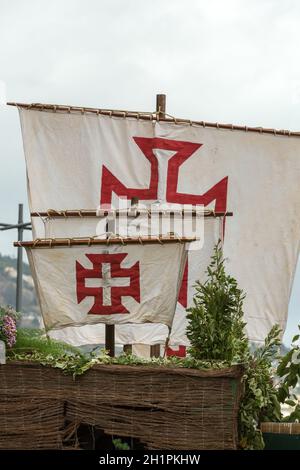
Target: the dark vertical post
pixel 155 350
pixel 109 329
pixel 161 105
pixel 19 261
pixel 110 339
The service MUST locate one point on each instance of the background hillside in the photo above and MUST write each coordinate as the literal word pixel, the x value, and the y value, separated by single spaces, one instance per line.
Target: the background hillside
pixel 31 317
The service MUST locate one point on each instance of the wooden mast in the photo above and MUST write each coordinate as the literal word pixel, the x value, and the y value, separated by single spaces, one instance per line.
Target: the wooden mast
pixel 161 110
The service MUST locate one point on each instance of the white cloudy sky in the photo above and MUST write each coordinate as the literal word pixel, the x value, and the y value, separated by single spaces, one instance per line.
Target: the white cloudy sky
pixel 228 61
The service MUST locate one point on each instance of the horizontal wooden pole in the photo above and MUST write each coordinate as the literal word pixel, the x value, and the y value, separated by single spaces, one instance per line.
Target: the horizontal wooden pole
pixel 56 242
pixel 151 117
pixel 130 213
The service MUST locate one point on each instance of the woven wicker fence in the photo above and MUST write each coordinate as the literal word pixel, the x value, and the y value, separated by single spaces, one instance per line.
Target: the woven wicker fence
pixel 281 428
pixel 165 408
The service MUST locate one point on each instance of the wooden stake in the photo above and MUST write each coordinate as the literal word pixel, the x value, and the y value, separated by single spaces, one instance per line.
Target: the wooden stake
pixel 110 339
pixel 109 329
pixel 161 106
pixel 155 350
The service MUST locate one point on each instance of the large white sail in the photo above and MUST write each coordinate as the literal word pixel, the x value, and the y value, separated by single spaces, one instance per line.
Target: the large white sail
pixel 78 160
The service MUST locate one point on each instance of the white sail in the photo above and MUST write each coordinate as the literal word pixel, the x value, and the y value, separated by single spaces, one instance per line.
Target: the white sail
pixel 76 161
pixel 114 284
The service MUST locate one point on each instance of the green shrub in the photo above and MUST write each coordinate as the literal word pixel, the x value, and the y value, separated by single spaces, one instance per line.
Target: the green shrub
pixel 216 326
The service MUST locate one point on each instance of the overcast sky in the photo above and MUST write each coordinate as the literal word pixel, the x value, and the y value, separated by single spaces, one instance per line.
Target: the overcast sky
pixel 228 61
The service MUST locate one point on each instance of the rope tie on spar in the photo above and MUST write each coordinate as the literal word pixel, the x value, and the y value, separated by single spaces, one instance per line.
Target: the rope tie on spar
pixel 50 241
pixel 122 240
pixel 110 236
pixel 140 240
pixel 158 114
pixel 52 213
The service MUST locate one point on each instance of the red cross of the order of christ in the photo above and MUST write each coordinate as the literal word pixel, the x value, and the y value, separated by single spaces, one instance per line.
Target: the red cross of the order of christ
pixel 183 150
pixel 217 194
pixel 107 282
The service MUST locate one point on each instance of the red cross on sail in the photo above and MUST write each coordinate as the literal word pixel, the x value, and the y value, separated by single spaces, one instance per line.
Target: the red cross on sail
pixel 107 282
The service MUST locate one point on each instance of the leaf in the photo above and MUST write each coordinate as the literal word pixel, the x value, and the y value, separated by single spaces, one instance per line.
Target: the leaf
pixel 290 402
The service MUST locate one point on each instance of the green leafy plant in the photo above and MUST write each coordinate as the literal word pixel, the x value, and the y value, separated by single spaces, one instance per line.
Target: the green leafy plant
pixel 260 397
pixel 31 340
pixel 288 370
pixel 120 445
pixel 216 326
pixel 34 346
